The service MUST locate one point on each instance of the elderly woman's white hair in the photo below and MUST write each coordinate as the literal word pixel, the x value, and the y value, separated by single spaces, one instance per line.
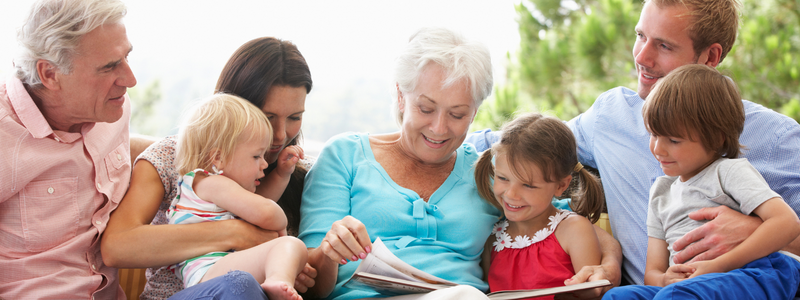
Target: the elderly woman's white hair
pixel 53 30
pixel 461 60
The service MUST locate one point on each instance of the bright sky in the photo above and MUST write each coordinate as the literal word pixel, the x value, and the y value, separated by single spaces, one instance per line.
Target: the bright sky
pixel 343 41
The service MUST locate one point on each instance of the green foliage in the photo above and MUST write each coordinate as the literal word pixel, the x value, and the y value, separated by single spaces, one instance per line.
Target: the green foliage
pixel 144 102
pixel 572 51
pixel 765 61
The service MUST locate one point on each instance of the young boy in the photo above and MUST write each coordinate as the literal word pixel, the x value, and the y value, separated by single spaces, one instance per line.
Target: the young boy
pixel 695 116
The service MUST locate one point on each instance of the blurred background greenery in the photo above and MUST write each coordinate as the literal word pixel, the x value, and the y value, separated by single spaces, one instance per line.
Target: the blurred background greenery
pixel 571 51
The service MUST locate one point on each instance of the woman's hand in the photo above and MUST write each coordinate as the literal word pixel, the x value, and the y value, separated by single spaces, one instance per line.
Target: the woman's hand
pixel 347 240
pixel 287 159
pixel 305 280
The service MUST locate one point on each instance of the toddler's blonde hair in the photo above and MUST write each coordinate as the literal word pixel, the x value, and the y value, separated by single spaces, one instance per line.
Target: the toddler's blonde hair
pixel 214 127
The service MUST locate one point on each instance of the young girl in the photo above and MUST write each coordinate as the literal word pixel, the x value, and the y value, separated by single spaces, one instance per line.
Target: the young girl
pixel 534 162
pixel 229 136
pixel 694 116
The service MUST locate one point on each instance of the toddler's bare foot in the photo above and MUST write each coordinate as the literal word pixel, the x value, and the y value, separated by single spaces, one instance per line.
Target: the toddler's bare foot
pixel 280 290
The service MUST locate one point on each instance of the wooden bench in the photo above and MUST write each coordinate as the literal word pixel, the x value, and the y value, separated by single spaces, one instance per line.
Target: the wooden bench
pixel 132 282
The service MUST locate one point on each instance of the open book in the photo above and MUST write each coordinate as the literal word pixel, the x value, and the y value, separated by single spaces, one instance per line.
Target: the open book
pixel 386 274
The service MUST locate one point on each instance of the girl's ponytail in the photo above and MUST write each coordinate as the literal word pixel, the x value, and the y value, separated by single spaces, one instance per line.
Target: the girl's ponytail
pixel 484 172
pixel 588 200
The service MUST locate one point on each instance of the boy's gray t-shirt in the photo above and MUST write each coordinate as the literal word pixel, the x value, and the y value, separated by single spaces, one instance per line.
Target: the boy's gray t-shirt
pixel 730 182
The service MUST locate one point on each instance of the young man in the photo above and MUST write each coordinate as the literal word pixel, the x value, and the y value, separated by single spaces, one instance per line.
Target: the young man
pixel 612 137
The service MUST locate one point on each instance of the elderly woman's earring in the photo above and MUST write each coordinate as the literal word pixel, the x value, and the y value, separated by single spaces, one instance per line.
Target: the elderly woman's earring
pixel 216 171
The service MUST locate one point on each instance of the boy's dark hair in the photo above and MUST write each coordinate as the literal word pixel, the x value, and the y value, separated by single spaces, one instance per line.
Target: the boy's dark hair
pixel 698 103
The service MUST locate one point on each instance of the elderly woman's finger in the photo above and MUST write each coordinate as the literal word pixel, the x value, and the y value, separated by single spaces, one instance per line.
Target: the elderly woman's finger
pixel 359 231
pixel 333 246
pixel 345 239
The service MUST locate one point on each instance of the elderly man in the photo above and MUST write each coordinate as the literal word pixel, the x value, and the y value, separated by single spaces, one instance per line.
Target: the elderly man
pixel 65 158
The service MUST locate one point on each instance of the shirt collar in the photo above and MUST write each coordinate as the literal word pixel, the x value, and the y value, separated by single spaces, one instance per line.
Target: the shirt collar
pixel 30 115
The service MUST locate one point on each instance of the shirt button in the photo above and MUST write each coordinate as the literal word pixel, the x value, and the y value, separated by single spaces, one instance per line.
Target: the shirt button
pixel 119 156
pixel 98 222
pixel 50 190
pixel 94 268
pixel 98 186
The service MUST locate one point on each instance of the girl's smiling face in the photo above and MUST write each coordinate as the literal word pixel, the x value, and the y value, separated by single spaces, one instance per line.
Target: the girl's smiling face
pixel 524 199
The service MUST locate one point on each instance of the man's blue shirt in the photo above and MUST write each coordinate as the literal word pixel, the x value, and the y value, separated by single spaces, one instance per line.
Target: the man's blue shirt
pixel 612 138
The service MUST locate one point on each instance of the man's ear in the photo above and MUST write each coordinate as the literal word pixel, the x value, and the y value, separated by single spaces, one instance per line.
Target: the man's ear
pixel 563 184
pixel 48 74
pixel 712 56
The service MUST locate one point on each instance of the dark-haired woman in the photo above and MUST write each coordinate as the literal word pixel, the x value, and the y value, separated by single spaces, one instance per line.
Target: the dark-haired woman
pixel 273 75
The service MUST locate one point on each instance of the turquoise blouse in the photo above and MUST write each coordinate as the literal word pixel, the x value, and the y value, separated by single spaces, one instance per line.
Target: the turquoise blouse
pixel 444 236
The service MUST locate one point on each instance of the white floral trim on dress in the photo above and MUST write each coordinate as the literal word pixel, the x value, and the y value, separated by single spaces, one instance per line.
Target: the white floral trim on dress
pixel 521 241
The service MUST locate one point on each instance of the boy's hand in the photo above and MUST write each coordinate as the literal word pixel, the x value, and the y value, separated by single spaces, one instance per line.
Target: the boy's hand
pixel 705 267
pixel 287 159
pixel 678 273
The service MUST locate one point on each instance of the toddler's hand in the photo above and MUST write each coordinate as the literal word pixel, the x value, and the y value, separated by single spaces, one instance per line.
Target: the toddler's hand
pixel 677 273
pixel 287 159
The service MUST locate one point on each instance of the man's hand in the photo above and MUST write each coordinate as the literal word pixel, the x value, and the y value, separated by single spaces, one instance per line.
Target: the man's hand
pixel 588 273
pixel 727 229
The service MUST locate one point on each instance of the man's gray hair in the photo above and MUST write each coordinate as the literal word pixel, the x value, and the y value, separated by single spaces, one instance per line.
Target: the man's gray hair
pixel 53 30
pixel 461 60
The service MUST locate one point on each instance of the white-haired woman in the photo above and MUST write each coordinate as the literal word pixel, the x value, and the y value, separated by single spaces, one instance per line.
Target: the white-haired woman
pixel 414 188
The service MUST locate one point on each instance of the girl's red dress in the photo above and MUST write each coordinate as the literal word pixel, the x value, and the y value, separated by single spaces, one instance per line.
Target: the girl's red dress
pixel 529 263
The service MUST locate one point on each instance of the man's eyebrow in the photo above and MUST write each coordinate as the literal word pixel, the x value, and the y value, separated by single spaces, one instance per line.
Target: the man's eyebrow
pixel 116 62
pixel 672 44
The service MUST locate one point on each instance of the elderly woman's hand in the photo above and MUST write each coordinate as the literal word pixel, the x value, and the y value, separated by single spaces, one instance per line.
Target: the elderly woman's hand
pixel 347 240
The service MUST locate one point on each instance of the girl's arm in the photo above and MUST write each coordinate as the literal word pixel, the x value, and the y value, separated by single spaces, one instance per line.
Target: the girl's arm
pixel 130 241
pixel 609 268
pixel 276 181
pixel 577 237
pixel 781 226
pixel 251 207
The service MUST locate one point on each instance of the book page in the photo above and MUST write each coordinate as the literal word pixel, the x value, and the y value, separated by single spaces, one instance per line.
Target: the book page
pixel 522 294
pixel 390 264
pixel 385 273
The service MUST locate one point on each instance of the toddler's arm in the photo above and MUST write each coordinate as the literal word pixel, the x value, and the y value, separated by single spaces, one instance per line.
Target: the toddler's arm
pixel 781 226
pixel 274 184
pixel 253 208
